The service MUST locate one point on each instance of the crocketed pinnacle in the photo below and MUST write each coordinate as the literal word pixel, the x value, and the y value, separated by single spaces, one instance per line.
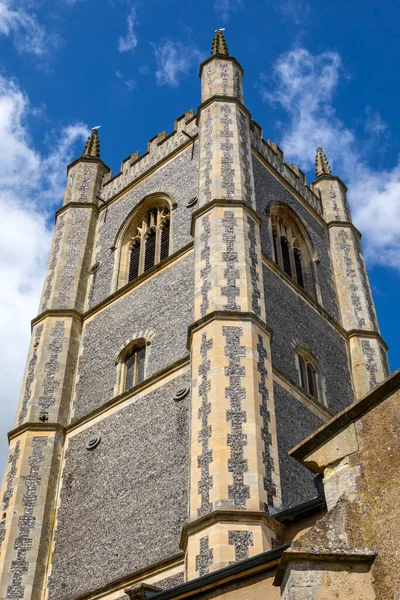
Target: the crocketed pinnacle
pixel 219 44
pixel 321 163
pixel 92 146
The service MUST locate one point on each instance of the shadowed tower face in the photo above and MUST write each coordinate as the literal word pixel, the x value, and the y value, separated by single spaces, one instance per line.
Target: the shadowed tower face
pixel 203 311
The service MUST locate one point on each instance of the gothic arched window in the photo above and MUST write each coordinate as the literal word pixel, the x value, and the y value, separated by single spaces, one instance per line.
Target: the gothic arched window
pixel 131 363
pixel 145 241
pixel 310 378
pixel 291 251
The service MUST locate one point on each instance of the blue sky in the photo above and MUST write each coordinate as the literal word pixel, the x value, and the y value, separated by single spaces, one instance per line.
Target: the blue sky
pixel 315 73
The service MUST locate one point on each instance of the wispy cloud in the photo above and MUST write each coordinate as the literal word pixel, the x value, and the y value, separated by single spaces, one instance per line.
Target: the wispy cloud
pixel 30 182
pixel 224 8
pixel 292 10
pixel 28 35
pixel 305 85
pixel 174 59
pixel 130 83
pixel 129 42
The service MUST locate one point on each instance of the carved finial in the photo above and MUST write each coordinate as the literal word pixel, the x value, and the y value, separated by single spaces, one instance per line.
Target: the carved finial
pixel 219 43
pixel 92 146
pixel 321 163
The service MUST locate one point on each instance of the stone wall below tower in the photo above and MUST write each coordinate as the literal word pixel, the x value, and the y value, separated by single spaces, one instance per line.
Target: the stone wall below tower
pixel 160 309
pixel 123 504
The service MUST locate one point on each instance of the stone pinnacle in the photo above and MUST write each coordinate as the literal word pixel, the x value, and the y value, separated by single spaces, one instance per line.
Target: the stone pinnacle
pixel 219 44
pixel 321 163
pixel 92 146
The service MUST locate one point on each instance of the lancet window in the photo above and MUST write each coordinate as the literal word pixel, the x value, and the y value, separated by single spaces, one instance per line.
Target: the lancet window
pixel 310 378
pixel 291 252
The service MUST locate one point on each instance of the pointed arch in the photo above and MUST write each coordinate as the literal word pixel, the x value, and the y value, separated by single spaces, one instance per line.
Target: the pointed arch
pixel 292 250
pixel 310 375
pixel 144 239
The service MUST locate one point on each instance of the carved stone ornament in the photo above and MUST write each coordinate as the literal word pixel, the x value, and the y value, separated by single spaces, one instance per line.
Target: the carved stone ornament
pixel 181 393
pixel 93 441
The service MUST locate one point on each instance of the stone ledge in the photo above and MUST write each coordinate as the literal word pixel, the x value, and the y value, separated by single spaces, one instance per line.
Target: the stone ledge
pixel 226 316
pixel 33 426
pixel 225 204
pixel 332 557
pixel 346 417
pixel 219 98
pixel 228 516
pixel 75 205
pixel 345 224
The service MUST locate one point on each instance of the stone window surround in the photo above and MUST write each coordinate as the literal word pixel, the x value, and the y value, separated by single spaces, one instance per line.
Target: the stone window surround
pixel 131 226
pixel 308 357
pixel 121 362
pixel 284 221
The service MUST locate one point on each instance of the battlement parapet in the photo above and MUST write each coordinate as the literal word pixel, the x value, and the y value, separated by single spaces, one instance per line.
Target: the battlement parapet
pixel 290 172
pixel 158 147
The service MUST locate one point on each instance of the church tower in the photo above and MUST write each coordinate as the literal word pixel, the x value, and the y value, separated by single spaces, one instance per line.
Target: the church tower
pixel 203 311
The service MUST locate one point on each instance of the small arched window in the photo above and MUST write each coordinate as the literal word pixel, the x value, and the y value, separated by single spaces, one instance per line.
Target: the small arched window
pixel 291 251
pixel 145 241
pixel 131 365
pixel 310 378
pixel 134 367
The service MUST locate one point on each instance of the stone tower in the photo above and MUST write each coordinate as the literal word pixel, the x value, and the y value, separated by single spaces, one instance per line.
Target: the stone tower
pixel 203 311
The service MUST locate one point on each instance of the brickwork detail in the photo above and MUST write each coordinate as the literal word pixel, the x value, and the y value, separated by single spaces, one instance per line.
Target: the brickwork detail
pixel 242 540
pixel 370 364
pixel 53 262
pixel 237 440
pixel 204 460
pixel 27 521
pixel 385 362
pixel 265 414
pixel 71 180
pixel 86 180
pixel 71 264
pixel 224 77
pixel 227 172
pixel 230 257
pixel 208 156
pixel 367 289
pixel 345 246
pixel 9 491
pixel 205 272
pixel 30 376
pixel 52 368
pixel 254 266
pixel 205 558
pixel 245 159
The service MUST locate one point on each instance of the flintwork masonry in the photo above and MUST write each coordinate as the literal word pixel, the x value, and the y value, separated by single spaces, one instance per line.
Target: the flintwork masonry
pixel 170 373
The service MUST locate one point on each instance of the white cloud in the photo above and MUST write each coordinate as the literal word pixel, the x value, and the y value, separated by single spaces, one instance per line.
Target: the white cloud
pixel 130 83
pixel 293 10
pixel 28 35
pixel 224 8
pixel 304 85
pixel 374 124
pixel 174 59
pixel 30 182
pixel 129 42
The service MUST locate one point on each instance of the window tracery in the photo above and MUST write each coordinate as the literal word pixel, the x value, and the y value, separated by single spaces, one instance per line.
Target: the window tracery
pixel 291 252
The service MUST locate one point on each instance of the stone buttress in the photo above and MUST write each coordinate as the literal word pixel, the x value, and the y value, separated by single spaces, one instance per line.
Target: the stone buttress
pixel 367 350
pixel 36 442
pixel 234 465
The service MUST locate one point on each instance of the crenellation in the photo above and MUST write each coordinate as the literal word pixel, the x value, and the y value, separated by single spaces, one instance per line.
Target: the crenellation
pixel 158 148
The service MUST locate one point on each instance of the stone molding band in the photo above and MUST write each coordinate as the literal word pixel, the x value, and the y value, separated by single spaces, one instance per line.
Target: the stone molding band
pixel 224 203
pixel 219 98
pixel 120 292
pixel 223 57
pixel 33 426
pixel 347 224
pixel 226 316
pixel 75 205
pixel 228 516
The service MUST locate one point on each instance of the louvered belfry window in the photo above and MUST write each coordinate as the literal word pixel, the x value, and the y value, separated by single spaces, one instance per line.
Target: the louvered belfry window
pixel 290 251
pixel 151 241
pixel 134 367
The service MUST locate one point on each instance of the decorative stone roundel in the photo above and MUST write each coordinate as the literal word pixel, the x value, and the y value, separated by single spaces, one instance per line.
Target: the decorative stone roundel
pixel 181 393
pixel 95 267
pixel 191 202
pixel 93 441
